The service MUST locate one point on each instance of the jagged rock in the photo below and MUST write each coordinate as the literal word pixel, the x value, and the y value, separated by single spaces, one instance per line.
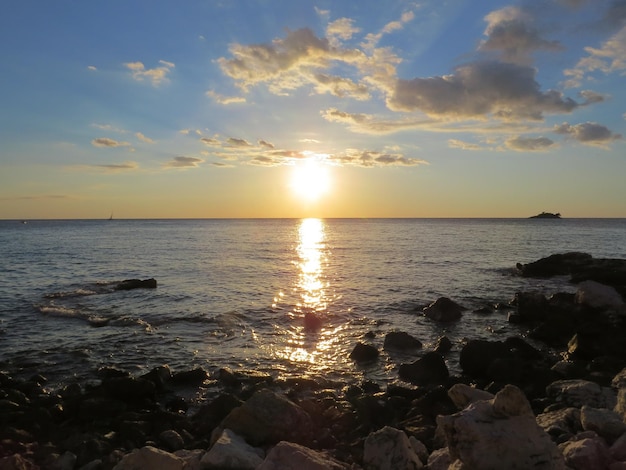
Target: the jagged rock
pixel 290 456
pixel 500 433
pixel 463 395
pixel 619 381
pixel 150 457
pixel 159 376
pixel 577 393
pixel 429 369
pixel 390 449
pixel 586 453
pixel 401 340
pixel 364 353
pixel 129 284
pixel 444 310
pixel 620 405
pixel 443 345
pixel 606 423
pixel 596 295
pixel 439 459
pixel 230 451
pixel 190 457
pixel 267 418
pixel 559 422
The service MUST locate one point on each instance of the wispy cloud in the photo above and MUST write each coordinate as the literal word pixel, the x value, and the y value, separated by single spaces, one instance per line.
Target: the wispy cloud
pixel 112 168
pixel 225 100
pixel 183 162
pixel 108 143
pixel 143 138
pixel 588 133
pixel 156 76
pixel 529 144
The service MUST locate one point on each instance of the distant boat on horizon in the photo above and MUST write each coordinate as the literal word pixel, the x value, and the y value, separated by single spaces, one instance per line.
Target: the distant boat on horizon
pixel 546 215
pixel 111 216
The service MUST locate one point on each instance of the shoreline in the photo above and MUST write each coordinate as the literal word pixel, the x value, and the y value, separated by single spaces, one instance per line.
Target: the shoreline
pixel 556 392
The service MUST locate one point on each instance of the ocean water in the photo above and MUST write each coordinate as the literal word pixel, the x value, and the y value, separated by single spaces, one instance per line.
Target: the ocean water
pixel 233 293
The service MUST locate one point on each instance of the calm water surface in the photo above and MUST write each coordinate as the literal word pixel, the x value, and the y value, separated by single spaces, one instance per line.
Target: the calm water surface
pixel 234 292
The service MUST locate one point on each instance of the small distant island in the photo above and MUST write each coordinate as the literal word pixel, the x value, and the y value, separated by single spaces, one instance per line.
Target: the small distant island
pixel 546 215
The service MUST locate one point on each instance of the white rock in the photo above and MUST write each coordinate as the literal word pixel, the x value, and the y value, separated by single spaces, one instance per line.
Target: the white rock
pixel 463 395
pixel 596 295
pixel 577 393
pixel 389 449
pixel 150 457
pixel 439 459
pixel 497 434
pixel 606 423
pixel 590 453
pixel 231 451
pixel 290 456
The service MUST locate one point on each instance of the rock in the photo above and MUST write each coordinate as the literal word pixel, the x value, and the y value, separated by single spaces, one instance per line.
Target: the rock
pixel 477 355
pixel 443 345
pixel 463 395
pixel 606 423
pixel 267 418
pixel 17 462
pixel 500 433
pixel 620 405
pixel 290 456
pixel 586 454
pixel 364 353
pixel 439 459
pixel 129 284
pixel 389 449
pixel 171 440
pixel 312 321
pixel 150 457
pixel 231 452
pixel 559 422
pixel 401 340
pixel 159 376
pixel 531 306
pixel 619 381
pixel 193 377
pixel 429 369
pixel 129 388
pixel 595 295
pixel 444 310
pixel 577 393
pixel 554 265
pixel 618 449
pixel 190 457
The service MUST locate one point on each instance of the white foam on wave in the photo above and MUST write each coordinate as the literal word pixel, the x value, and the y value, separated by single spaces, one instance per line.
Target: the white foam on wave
pixel 59 311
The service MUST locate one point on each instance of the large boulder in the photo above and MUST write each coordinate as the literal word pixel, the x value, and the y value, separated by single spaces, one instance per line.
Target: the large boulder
pixel 290 456
pixel 553 265
pixel 444 310
pixel 150 457
pixel 267 418
pixel 586 452
pixel 429 369
pixel 231 451
pixel 477 355
pixel 607 424
pixel 399 340
pixel 577 393
pixel 390 449
pixel 463 395
pixel 599 296
pixel 499 433
pixel 364 353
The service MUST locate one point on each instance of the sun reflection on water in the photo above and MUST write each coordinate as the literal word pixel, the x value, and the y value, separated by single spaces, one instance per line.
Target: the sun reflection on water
pixel 310 284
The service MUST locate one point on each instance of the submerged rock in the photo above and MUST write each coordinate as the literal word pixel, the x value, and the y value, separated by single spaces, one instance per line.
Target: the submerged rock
pixel 129 284
pixel 364 353
pixel 400 340
pixel 444 310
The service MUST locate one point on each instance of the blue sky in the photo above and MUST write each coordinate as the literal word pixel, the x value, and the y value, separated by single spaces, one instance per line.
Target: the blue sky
pixel 328 109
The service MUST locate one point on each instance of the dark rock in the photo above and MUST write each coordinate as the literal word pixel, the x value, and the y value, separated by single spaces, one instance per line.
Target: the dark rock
pixel 364 353
pixel 312 322
pixel 159 376
pixel 429 369
pixel 553 265
pixel 531 306
pixel 477 355
pixel 443 345
pixel 210 415
pixel 401 340
pixel 129 388
pixel 190 377
pixel 444 310
pixel 129 284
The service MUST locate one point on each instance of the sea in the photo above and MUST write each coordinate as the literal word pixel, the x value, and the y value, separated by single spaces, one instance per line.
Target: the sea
pixel 233 292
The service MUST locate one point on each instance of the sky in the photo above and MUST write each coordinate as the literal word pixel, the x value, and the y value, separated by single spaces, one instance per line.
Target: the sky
pixel 278 108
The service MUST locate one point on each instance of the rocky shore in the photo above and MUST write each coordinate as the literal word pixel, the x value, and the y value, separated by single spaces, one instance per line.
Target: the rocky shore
pixel 553 398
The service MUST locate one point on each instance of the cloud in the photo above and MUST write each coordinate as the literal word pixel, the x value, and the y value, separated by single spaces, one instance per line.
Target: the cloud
pixel 143 138
pixel 368 124
pixel 592 97
pixel 234 142
pixel 210 141
pixel 266 144
pixel 343 28
pixel 341 87
pixel 156 76
pixel 38 197
pixel 609 58
pixel 119 167
pixel 225 100
pixel 108 143
pixel 480 90
pixel 510 33
pixel 372 39
pixel 372 158
pixel 108 127
pixel 588 133
pixel 183 162
pixel 92 68
pixel 460 144
pixel 529 144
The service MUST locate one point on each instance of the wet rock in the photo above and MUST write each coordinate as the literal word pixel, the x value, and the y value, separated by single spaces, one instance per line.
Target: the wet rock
pixel 129 388
pixel 554 265
pixel 439 459
pixel 389 449
pixel 443 345
pixel 429 369
pixel 267 418
pixel 171 440
pixel 291 456
pixel 477 355
pixel 194 377
pixel 150 457
pixel 129 284
pixel 400 340
pixel 577 393
pixel 531 306
pixel 191 458
pixel 500 433
pixel 606 423
pixel 230 451
pixel 586 453
pixel 444 310
pixel 364 353
pixel 159 376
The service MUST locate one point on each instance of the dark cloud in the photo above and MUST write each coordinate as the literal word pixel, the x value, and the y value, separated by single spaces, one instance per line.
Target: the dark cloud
pixel 211 142
pixel 529 144
pixel 233 142
pixel 370 158
pixel 592 97
pixel 106 142
pixel 590 133
pixel 265 144
pixel 481 89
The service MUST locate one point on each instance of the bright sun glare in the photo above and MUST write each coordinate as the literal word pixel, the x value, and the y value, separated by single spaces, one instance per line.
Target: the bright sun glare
pixel 310 179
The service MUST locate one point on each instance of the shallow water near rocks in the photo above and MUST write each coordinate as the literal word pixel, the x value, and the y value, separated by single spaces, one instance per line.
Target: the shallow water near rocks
pixel 233 293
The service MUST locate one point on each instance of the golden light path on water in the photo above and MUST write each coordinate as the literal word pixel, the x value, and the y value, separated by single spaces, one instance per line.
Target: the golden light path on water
pixel 311 343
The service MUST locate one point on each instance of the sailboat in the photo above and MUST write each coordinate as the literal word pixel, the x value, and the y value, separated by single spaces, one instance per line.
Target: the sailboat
pixel 111 216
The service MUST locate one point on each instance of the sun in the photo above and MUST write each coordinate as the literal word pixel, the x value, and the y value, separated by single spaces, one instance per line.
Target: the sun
pixel 310 179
